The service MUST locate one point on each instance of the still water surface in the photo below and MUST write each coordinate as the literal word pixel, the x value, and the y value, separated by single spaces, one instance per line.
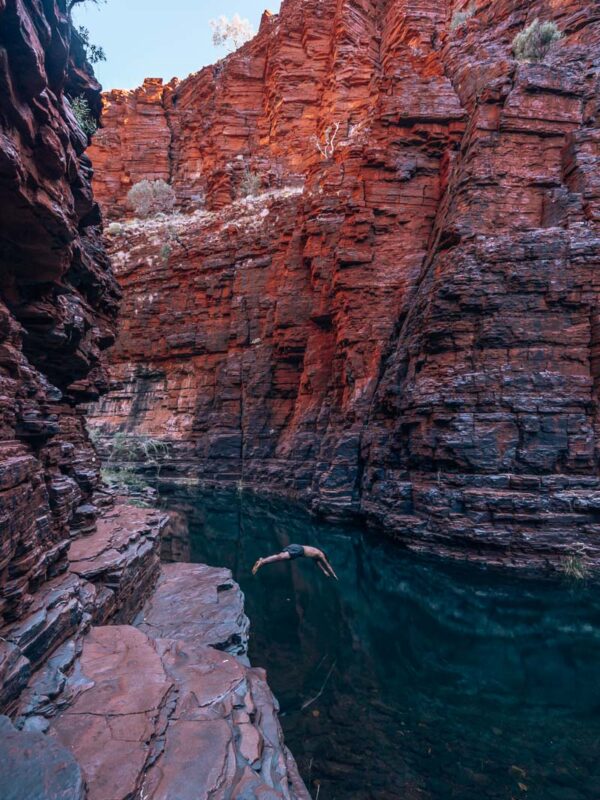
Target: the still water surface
pixel 410 678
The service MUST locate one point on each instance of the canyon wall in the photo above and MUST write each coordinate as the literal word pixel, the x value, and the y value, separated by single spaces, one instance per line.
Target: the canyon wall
pixel 402 325
pixel 72 560
pixel 58 303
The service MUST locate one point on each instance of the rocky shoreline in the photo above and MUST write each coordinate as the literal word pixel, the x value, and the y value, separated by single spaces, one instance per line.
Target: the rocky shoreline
pixel 167 706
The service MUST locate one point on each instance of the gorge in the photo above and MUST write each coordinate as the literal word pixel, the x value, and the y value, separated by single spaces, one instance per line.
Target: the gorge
pixel 400 326
pixel 369 323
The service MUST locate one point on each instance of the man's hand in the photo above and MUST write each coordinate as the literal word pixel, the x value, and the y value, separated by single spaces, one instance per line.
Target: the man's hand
pixel 257 566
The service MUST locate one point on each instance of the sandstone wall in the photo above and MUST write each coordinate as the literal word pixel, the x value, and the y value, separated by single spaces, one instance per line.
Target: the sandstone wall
pixel 58 302
pixel 407 332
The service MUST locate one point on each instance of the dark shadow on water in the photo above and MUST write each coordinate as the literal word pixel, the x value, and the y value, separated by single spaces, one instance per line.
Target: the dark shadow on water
pixel 410 678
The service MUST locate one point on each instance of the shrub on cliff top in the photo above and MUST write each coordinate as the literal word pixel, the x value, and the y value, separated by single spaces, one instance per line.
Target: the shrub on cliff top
pixel 232 33
pixel 533 43
pixel 148 198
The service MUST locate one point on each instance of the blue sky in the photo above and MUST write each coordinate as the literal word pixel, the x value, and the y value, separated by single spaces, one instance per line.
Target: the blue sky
pixel 158 39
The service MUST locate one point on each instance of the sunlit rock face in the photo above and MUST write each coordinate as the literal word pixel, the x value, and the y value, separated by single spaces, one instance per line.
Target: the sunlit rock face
pixel 403 326
pixel 58 301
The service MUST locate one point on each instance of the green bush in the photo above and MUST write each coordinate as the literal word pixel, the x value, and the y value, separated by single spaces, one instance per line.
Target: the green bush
pixel 533 43
pixel 148 198
pixel 124 478
pixel 83 115
pixel 93 52
pixel 575 568
pixel 251 184
pixel 125 450
pixel 460 17
pixel 129 447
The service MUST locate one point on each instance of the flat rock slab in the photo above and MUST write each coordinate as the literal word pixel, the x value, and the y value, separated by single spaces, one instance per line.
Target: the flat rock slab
pixel 168 719
pixel 123 527
pixel 198 604
pixel 119 686
pixel 36 767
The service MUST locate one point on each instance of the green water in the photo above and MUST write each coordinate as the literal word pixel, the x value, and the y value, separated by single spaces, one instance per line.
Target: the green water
pixel 411 678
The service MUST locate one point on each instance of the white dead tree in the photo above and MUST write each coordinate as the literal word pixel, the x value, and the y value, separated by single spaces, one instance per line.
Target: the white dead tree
pixel 326 145
pixel 231 33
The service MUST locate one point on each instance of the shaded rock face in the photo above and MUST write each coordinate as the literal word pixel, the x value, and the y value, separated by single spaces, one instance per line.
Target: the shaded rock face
pixel 408 330
pixel 58 301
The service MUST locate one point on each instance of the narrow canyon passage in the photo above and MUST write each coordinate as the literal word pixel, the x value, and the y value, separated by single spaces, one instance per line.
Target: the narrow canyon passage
pixel 347 272
pixel 409 678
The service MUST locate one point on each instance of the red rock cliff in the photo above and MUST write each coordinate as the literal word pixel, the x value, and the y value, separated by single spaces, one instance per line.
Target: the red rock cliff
pixel 58 301
pixel 403 326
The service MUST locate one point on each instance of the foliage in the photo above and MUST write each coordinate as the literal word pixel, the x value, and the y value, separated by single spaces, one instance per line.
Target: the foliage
pixel 326 145
pixel 83 115
pixel 129 447
pixel 148 198
pixel 250 185
pixel 533 43
pixel 231 33
pixel 93 53
pixel 165 252
pixel 114 229
pixel 72 3
pixel 126 449
pixel 124 477
pixel 459 18
pixel 575 568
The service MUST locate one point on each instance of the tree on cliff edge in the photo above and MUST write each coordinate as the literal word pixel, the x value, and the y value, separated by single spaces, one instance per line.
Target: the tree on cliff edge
pixel 232 33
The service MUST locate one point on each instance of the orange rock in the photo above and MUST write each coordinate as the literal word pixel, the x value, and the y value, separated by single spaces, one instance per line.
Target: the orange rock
pixel 412 337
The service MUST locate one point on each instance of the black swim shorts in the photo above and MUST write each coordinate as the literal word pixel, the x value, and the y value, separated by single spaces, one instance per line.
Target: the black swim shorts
pixel 295 551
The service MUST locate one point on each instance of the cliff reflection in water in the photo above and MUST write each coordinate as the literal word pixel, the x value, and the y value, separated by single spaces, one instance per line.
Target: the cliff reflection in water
pixel 410 678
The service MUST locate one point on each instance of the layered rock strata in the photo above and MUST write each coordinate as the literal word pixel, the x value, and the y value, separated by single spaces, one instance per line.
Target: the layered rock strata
pixel 110 575
pixel 64 574
pixel 413 337
pixel 171 707
pixel 58 302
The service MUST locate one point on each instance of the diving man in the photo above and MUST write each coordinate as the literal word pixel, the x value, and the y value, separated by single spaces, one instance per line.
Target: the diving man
pixel 293 551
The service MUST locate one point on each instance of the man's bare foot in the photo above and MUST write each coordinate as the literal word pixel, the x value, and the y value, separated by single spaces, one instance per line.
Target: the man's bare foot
pixel 257 566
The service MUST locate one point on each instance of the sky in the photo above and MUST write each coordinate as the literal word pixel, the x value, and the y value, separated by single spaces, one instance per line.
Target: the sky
pixel 158 39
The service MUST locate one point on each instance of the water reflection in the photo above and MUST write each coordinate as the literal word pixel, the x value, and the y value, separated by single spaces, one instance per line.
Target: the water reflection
pixel 410 678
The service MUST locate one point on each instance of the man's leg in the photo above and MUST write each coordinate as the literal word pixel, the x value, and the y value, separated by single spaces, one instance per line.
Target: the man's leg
pixel 269 560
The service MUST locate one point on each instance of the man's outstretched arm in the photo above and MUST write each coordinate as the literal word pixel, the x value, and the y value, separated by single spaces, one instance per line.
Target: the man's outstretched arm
pixel 327 568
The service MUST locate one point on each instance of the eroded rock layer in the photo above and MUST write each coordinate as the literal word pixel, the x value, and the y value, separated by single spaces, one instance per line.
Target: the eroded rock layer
pixel 408 331
pixel 58 302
